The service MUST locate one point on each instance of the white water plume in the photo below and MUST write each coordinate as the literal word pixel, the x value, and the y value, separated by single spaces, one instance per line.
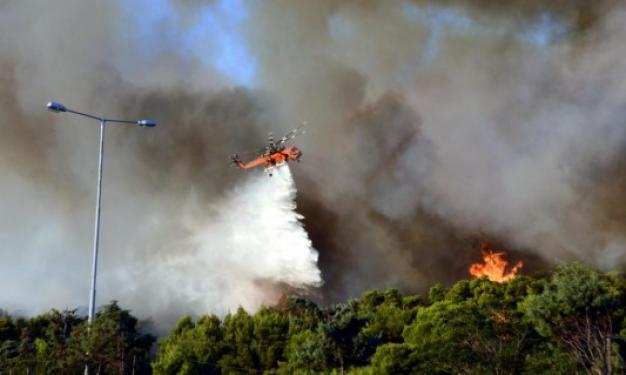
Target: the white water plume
pixel 242 251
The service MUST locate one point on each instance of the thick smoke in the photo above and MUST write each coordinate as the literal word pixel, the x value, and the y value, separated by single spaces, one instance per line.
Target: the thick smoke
pixel 498 127
pixel 432 126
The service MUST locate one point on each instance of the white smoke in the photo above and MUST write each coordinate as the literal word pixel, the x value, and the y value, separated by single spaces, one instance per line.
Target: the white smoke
pixel 230 254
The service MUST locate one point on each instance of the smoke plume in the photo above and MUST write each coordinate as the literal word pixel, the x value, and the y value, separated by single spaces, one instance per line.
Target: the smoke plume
pixel 433 126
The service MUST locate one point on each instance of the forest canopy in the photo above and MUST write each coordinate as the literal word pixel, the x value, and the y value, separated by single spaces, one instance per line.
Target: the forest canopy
pixel 566 322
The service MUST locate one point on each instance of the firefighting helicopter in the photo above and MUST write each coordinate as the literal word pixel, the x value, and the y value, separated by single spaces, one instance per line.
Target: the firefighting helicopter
pixel 274 154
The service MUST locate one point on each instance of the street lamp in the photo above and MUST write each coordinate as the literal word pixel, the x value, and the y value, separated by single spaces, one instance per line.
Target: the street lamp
pixel 58 107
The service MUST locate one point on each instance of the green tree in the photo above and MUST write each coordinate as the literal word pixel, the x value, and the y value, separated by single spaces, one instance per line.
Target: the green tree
pixel 546 358
pixel 436 293
pixel 191 348
pixel 39 344
pixel 238 336
pixel 579 308
pixel 473 327
pixel 344 328
pixel 111 344
pixel 395 359
pixel 270 337
pixel 302 313
pixel 309 351
pixel 9 340
pixel 8 331
pixel 386 315
pixel 51 333
pixel 443 335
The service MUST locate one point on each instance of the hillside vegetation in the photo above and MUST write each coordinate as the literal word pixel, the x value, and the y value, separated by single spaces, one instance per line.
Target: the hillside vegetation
pixel 568 322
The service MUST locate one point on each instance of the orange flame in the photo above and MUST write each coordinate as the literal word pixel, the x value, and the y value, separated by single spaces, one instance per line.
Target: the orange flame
pixel 494 267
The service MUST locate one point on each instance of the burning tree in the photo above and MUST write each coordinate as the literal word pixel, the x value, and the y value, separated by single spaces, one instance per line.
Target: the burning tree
pixel 494 266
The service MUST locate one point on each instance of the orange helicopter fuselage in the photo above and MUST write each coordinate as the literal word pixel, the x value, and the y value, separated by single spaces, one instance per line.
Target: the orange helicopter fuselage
pixel 273 158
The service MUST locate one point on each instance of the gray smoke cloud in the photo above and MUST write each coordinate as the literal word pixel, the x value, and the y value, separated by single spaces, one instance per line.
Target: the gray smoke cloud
pixel 432 126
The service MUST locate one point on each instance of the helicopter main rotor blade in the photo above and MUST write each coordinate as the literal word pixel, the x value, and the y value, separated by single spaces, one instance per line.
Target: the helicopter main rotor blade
pixel 293 133
pixel 255 152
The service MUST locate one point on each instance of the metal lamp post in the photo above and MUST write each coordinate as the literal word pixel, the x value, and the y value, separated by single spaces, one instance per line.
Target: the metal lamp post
pixel 58 107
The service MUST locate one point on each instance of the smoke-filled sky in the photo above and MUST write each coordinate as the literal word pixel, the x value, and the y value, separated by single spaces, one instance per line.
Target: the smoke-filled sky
pixel 433 125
